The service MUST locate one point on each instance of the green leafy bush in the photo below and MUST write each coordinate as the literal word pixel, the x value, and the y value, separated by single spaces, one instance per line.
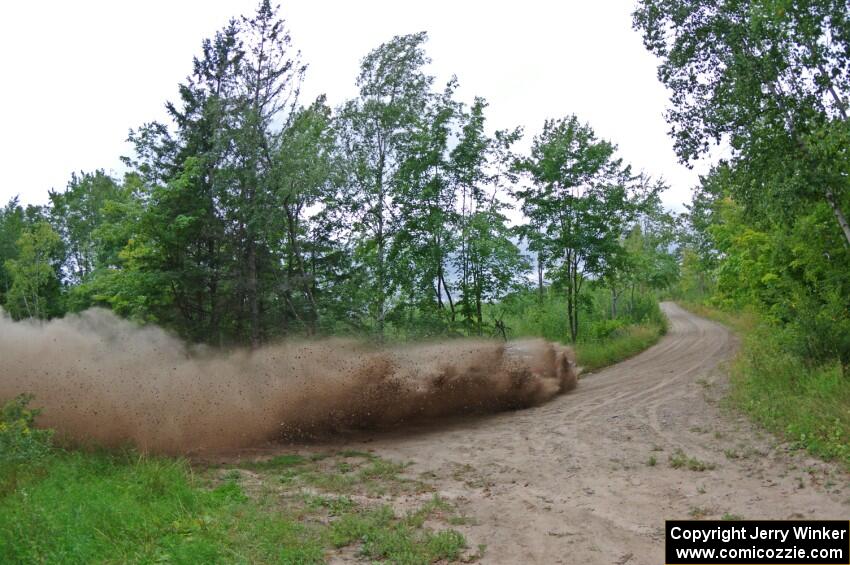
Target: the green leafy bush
pixel 19 439
pixel 788 394
pixel 604 329
pixel 622 344
pixel 526 313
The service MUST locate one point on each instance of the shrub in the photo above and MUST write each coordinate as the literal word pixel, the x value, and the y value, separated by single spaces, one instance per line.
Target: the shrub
pixel 19 439
pixel 605 329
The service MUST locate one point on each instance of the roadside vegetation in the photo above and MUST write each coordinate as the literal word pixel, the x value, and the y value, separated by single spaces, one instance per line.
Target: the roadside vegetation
pixel 804 403
pixel 765 243
pixel 85 506
pixel 636 323
pixel 680 460
pixel 251 216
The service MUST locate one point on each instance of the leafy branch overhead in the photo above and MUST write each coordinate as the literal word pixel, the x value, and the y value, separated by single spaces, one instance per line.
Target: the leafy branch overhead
pixel 768 79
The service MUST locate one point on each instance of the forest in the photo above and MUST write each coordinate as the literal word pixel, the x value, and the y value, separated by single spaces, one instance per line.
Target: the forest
pixel 252 215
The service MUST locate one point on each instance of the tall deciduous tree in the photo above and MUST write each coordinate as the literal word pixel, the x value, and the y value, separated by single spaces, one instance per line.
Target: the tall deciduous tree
pixel 76 214
pixel 376 130
pixel 771 77
pixel 35 291
pixel 303 176
pixel 577 205
pixel 12 225
pixel 488 261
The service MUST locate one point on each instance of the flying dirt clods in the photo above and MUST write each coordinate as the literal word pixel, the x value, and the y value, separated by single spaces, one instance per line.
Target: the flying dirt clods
pixel 100 379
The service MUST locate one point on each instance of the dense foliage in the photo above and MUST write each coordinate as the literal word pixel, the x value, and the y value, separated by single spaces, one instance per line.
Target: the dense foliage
pixel 249 215
pixel 767 227
pixel 769 78
pixel 767 233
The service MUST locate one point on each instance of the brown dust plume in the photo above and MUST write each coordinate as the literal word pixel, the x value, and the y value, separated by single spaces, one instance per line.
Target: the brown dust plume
pixel 101 379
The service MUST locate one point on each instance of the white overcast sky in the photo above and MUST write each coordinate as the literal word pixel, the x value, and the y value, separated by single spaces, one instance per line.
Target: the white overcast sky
pixel 78 75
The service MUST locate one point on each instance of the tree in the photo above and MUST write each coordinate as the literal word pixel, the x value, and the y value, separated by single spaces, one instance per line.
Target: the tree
pixel 773 78
pixel 577 205
pixel 109 283
pixel 210 226
pixel 375 133
pixel 488 260
pixel 180 260
pixel 35 291
pixel 246 216
pixel 76 214
pixel 269 82
pixel 302 177
pixel 793 274
pixel 425 215
pixel 647 261
pixel 12 223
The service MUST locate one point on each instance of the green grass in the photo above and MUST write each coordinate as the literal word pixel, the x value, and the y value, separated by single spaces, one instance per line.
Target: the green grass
pixel 59 506
pixel 385 537
pixel 627 342
pixel 602 341
pixel 81 507
pixel 679 460
pixel 742 322
pixel 698 513
pixel 807 405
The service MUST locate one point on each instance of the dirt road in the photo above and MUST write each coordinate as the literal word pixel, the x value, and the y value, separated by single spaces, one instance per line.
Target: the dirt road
pixel 573 481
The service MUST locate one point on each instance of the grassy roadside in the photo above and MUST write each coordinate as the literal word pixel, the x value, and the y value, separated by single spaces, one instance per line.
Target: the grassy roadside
pixel 61 506
pixel 741 322
pixel 121 507
pixel 85 508
pixel 807 405
pixel 625 343
pixel 602 341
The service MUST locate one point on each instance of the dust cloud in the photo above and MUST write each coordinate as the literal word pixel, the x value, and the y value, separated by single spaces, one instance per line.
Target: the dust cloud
pixel 105 381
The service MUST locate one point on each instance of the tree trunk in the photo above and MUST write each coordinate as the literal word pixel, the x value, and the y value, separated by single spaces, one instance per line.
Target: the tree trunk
pixel 381 278
pixel 614 297
pixel 572 296
pixel 571 310
pixel 839 215
pixel 306 282
pixel 478 310
pixel 575 287
pixel 381 300
pixel 540 276
pixel 448 294
pixel 253 302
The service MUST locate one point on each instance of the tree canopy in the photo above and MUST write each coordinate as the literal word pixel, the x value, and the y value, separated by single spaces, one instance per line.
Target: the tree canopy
pixel 251 214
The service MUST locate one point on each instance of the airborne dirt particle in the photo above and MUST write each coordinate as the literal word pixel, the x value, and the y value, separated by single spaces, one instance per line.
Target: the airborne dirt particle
pixel 101 379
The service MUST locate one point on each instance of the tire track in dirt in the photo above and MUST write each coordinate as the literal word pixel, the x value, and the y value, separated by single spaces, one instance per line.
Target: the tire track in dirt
pixel 570 481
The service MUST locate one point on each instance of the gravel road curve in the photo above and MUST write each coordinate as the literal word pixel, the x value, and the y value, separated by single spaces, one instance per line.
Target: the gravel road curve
pixel 573 481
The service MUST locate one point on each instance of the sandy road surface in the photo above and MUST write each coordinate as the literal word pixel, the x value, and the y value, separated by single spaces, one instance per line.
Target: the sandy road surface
pixel 570 481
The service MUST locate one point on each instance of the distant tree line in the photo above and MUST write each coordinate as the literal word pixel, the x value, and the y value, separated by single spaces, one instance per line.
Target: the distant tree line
pixel 250 215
